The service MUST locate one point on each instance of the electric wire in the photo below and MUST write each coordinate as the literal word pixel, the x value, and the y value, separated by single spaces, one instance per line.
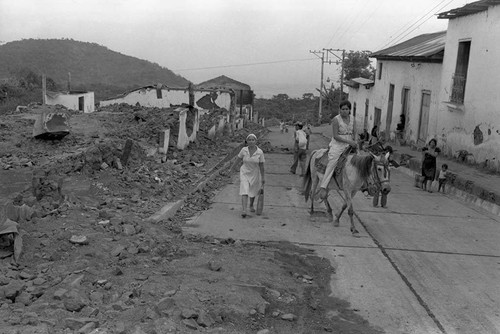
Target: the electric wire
pixel 354 23
pixel 404 36
pixel 405 28
pixel 348 19
pixel 243 65
pixel 404 33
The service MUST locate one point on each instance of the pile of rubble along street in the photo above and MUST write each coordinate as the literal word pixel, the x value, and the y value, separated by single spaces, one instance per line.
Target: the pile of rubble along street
pixel 91 156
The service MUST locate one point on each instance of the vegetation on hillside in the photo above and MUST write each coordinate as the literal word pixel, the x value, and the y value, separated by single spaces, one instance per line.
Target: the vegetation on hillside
pixel 91 66
pixel 282 107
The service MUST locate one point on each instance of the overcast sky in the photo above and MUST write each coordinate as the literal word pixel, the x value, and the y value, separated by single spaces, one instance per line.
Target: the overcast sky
pixel 264 43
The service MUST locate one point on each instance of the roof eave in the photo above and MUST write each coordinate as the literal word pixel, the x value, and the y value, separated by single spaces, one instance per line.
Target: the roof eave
pixel 420 59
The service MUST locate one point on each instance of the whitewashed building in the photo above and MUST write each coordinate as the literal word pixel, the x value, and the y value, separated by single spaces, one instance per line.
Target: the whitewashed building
pixel 405 96
pixel 469 103
pixel 159 96
pixel 360 94
pixel 74 100
pixel 243 94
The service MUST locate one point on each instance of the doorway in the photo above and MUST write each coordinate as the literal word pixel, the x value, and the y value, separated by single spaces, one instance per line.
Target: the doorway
pixel 81 103
pixel 376 117
pixel 424 116
pixel 365 121
pixel 404 117
pixel 388 119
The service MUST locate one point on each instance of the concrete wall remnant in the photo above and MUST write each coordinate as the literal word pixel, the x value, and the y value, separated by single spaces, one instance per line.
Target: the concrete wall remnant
pixel 51 124
pixel 183 138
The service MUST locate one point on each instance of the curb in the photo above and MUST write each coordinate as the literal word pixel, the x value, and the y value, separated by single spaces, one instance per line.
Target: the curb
pixel 170 209
pixel 454 191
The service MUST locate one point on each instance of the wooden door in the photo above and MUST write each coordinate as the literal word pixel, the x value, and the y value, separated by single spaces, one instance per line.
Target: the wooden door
pixel 365 121
pixel 376 117
pixel 388 119
pixel 405 99
pixel 424 116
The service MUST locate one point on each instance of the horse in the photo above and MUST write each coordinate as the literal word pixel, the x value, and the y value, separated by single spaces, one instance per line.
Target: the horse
pixel 359 170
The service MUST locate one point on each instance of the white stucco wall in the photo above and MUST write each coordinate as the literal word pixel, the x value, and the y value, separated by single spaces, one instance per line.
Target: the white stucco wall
pixel 418 77
pixel 359 96
pixel 147 97
pixel 70 101
pixel 481 106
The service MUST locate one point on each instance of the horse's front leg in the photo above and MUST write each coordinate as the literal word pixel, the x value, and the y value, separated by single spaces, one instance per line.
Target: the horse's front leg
pixel 350 212
pixel 329 210
pixel 313 191
pixel 336 223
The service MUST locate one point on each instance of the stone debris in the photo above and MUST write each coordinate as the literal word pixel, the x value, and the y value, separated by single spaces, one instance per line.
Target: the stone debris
pixel 79 240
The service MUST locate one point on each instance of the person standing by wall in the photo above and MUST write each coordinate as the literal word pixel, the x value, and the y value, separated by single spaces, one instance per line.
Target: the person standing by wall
pixel 374 139
pixel 429 155
pixel 251 159
pixel 300 151
pixel 308 132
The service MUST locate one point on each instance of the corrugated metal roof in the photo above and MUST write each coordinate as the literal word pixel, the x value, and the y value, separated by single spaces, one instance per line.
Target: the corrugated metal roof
pixel 356 82
pixel 362 81
pixel 422 47
pixel 469 9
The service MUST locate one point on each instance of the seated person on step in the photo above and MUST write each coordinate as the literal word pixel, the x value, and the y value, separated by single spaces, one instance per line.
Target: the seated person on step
pixel 342 126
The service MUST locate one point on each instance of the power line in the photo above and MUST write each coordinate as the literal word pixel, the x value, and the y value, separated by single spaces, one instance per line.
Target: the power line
pixel 366 20
pixel 354 23
pixel 242 65
pixel 348 19
pixel 409 27
pixel 401 38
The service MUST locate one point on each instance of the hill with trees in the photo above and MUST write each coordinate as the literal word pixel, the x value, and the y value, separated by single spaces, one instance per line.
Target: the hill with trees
pixel 92 67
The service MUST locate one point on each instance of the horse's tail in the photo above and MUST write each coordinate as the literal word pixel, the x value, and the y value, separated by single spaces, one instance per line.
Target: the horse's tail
pixel 307 180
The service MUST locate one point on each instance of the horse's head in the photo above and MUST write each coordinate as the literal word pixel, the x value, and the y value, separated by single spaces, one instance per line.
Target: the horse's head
pixel 381 173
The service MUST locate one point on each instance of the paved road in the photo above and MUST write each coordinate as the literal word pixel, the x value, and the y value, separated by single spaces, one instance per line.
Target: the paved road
pixel 427 264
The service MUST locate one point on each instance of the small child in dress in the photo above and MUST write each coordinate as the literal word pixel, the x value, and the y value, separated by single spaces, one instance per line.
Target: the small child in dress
pixel 443 174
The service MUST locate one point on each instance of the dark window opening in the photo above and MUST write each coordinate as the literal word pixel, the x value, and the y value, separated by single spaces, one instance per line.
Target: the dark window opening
pixel 460 76
pixel 380 71
pixel 158 93
pixel 81 103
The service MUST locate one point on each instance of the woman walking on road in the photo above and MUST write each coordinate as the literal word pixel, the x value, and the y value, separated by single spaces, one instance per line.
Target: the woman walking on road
pixel 252 180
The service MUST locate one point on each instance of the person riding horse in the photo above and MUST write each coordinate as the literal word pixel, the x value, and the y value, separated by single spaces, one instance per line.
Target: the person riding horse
pixel 343 129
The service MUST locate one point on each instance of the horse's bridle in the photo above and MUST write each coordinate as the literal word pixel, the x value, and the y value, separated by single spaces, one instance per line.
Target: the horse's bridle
pixel 376 178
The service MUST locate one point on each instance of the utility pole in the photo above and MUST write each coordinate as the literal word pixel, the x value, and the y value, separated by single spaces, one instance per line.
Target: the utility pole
pixel 340 60
pixel 325 57
pixel 317 53
pixel 342 75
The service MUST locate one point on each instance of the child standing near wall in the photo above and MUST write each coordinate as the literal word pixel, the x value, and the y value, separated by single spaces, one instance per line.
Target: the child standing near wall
pixel 443 175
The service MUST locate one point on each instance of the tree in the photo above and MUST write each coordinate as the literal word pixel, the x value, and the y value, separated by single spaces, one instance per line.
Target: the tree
pixel 281 97
pixel 357 64
pixel 307 96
